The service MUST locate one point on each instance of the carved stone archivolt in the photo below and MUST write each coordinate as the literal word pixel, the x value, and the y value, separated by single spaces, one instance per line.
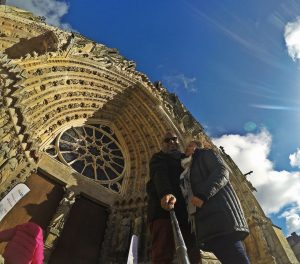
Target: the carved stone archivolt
pixel 17 157
pixel 86 107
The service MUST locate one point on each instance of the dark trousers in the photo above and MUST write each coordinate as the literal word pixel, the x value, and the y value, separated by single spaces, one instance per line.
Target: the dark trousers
pixel 163 247
pixel 228 250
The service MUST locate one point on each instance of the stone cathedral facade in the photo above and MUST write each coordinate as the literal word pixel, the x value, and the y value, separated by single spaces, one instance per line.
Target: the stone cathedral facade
pixel 78 125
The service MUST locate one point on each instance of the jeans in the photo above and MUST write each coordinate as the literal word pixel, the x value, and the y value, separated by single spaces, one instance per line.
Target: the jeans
pixel 227 250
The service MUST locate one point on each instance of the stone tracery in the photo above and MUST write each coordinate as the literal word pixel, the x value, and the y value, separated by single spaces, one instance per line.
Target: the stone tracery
pixel 93 151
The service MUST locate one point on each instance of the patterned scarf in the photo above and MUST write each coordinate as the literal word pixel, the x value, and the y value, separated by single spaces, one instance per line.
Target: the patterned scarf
pixel 186 190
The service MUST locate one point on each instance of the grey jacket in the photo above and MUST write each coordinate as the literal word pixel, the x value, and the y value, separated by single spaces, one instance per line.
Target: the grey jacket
pixel 221 213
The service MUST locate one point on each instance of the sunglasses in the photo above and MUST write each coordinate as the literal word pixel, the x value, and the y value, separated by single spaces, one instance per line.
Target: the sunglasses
pixel 168 140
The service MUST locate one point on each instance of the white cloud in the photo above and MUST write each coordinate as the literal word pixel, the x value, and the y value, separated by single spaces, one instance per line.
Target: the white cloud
pixel 295 159
pixel 52 10
pixel 292 219
pixel 275 189
pixel 292 38
pixel 180 80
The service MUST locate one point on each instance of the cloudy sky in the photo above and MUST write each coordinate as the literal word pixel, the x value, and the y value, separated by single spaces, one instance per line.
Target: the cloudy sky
pixel 235 66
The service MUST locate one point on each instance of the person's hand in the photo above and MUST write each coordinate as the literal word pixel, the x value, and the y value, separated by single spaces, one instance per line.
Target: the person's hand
pixel 197 202
pixel 168 202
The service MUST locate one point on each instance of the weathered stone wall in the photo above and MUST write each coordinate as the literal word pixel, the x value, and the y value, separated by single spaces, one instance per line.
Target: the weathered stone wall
pixel 282 242
pixel 294 241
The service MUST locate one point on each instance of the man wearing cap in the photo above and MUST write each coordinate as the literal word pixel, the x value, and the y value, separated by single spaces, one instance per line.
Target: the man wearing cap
pixel 164 193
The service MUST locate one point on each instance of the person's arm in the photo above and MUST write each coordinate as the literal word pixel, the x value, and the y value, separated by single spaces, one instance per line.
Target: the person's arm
pixel 7 234
pixel 218 175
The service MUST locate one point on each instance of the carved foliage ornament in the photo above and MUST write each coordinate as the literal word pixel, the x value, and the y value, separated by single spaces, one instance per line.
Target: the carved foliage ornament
pixel 93 151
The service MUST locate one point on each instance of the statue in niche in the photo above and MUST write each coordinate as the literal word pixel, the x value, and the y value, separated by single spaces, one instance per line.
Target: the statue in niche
pixel 63 211
pixel 137 227
pixel 123 236
pixel 7 168
pixel 5 149
pixel 115 227
pixel 140 229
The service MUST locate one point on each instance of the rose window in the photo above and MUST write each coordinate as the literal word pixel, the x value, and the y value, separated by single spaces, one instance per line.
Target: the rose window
pixel 93 151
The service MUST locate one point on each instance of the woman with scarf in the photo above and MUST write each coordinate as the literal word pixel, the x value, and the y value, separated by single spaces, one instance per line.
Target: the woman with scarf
pixel 214 209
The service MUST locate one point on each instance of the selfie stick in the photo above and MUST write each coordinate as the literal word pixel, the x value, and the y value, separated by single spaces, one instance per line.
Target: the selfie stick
pixel 181 251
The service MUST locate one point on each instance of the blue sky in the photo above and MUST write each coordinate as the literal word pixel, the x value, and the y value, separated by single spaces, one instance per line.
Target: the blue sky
pixel 234 65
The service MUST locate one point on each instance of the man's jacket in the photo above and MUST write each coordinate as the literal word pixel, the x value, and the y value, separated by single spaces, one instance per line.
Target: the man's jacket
pixel 165 170
pixel 221 213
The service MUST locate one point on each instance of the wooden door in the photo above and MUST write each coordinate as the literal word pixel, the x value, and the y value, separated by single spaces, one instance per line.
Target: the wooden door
pixel 82 236
pixel 38 205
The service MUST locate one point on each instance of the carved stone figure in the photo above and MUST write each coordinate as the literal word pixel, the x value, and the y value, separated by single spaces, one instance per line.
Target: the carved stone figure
pixel 63 211
pixel 137 228
pixel 123 236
